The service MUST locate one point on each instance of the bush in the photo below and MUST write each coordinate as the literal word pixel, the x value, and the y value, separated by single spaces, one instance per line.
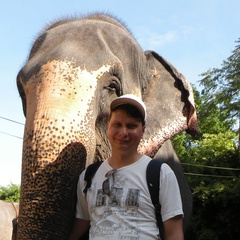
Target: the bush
pixel 11 193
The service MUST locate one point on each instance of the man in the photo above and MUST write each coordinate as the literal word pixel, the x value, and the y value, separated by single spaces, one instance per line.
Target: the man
pixel 118 203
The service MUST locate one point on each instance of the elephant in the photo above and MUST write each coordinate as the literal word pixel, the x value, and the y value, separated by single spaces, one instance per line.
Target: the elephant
pixel 8 220
pixel 75 68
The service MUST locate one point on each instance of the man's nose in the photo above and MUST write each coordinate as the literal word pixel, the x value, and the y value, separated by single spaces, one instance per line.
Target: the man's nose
pixel 124 131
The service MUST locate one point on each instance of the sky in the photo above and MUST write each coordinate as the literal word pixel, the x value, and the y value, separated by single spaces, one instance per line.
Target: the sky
pixel 194 36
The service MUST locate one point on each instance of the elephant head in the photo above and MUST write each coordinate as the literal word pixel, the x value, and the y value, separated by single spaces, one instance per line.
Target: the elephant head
pixel 75 69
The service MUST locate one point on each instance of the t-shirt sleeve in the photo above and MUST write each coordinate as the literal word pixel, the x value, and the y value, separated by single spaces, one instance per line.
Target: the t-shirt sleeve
pixel 169 197
pixel 81 206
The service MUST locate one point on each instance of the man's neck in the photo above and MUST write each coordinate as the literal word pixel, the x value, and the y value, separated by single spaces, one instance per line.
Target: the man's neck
pixel 121 160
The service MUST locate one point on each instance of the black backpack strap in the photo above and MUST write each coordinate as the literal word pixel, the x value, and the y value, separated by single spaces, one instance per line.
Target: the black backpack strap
pixel 153 176
pixel 90 172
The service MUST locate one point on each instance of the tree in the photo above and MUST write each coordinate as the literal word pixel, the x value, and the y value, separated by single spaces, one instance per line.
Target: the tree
pixel 211 165
pixel 211 161
pixel 221 87
pixel 11 193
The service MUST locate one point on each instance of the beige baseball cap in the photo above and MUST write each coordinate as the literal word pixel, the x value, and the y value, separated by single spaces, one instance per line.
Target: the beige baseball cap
pixel 132 100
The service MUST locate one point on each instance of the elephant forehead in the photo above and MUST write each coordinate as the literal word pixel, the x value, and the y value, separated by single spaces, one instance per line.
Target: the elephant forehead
pixel 67 72
pixel 61 83
pixel 62 78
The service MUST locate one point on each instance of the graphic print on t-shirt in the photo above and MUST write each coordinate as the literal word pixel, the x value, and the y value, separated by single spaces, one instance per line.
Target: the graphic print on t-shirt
pixel 132 199
pixel 118 213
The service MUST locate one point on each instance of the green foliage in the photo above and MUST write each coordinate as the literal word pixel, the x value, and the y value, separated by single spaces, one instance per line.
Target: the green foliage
pixel 221 86
pixel 211 161
pixel 215 147
pixel 11 193
pixel 215 210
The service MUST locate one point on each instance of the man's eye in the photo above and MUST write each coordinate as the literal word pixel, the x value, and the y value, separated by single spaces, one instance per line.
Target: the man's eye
pixel 132 126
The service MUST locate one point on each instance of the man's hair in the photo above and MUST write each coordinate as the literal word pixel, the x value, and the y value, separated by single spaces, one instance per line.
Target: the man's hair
pixel 131 112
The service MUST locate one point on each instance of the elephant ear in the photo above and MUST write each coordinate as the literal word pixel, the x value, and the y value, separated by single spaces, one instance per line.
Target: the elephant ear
pixel 170 104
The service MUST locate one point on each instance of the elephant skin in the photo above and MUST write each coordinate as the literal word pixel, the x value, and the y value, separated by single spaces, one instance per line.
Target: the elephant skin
pixel 8 220
pixel 167 154
pixel 76 67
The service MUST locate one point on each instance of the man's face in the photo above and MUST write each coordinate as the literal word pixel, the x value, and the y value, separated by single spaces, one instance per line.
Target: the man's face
pixel 124 132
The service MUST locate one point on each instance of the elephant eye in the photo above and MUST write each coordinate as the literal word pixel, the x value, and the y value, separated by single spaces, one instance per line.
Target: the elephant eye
pixel 114 86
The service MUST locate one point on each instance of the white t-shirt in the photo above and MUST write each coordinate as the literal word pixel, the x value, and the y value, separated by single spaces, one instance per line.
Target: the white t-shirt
pixel 128 213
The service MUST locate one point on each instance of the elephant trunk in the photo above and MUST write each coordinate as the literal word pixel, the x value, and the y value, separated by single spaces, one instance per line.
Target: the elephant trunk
pixel 51 166
pixel 59 139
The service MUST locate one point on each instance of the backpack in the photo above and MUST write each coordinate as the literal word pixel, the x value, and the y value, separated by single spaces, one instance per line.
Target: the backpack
pixel 152 178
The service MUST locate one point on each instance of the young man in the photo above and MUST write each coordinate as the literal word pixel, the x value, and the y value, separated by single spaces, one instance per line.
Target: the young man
pixel 118 204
